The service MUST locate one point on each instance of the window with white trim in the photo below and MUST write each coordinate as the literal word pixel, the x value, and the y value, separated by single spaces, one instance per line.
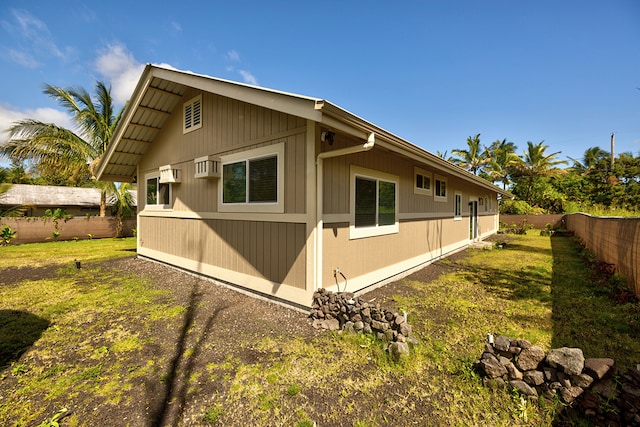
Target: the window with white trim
pixel 192 117
pixel 253 181
pixel 440 189
pixel 422 182
pixel 374 203
pixel 158 194
pixel 457 206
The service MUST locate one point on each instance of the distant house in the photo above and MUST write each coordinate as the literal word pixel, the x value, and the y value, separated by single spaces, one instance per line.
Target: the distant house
pixel 36 199
pixel 282 194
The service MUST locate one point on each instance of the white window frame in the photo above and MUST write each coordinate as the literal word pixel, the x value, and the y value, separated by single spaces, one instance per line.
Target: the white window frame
pixel 377 230
pixel 156 207
pixel 253 207
pixel 436 196
pixel 457 208
pixel 193 104
pixel 425 174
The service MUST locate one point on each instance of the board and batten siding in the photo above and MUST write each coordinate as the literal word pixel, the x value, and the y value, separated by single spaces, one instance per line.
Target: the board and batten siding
pixel 263 255
pixel 228 126
pixel 427 227
pixel 274 251
pixel 369 260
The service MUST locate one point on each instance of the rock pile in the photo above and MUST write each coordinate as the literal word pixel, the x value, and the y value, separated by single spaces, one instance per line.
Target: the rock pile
pixel 594 387
pixel 344 311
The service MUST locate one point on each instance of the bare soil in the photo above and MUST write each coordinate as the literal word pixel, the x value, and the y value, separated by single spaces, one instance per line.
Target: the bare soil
pixel 219 324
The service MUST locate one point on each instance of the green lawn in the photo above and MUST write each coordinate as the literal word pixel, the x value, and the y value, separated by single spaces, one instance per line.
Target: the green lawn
pixel 90 340
pixel 65 252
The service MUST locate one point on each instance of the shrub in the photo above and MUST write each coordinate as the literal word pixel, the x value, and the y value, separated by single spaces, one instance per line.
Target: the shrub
pixel 516 207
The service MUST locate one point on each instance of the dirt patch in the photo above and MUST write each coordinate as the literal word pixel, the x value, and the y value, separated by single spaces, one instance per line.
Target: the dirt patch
pixel 385 294
pixel 218 331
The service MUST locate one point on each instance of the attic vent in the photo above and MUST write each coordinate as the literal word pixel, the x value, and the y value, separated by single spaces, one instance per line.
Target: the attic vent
pixel 207 167
pixel 169 174
pixel 192 114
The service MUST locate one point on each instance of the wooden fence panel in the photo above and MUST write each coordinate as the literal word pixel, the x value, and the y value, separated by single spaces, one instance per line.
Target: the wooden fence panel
pixel 612 240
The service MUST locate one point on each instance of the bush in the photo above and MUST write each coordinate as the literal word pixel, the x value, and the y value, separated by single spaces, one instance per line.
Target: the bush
pixel 516 207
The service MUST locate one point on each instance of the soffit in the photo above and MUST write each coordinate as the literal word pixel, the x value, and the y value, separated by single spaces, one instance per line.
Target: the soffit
pixel 141 125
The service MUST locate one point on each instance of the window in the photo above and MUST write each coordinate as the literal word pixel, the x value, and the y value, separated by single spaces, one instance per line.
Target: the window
pixel 422 182
pixel 440 194
pixel 457 214
pixel 192 114
pixel 253 181
pixel 158 193
pixel 374 198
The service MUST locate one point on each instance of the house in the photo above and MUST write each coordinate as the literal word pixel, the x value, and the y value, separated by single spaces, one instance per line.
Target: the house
pixel 282 194
pixel 36 199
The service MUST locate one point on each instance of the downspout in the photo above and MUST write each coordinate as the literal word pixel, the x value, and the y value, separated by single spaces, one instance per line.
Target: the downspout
pixel 319 195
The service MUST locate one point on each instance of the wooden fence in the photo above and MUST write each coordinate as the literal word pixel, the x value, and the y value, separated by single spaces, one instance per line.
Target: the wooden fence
pixel 35 229
pixel 613 240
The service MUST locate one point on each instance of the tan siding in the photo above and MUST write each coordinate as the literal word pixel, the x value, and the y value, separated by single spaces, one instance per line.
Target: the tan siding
pixel 274 251
pixel 336 179
pixel 228 126
pixel 361 256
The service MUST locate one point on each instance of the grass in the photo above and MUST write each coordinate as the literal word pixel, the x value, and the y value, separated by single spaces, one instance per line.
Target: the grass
pixel 66 252
pixel 92 339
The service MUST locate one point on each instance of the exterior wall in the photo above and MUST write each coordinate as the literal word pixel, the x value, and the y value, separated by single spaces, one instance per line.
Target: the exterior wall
pixel 35 230
pixel 269 257
pixel 427 228
pixel 265 252
pixel 612 240
pixel 368 261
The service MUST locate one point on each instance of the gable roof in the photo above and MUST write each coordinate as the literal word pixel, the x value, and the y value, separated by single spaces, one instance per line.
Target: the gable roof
pixel 160 89
pixel 50 195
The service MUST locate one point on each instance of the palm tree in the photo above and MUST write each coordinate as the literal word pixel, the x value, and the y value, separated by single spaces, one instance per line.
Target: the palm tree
pixel 502 157
pixel 590 160
pixel 474 158
pixel 53 147
pixel 123 206
pixel 536 164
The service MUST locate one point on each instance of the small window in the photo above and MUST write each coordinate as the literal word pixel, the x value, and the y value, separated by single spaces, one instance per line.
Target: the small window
pixel 457 214
pixel 422 182
pixel 440 191
pixel 374 203
pixel 192 114
pixel 253 181
pixel 158 193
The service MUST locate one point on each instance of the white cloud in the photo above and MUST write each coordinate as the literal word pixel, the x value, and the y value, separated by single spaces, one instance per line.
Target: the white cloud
pixel 36 38
pixel 119 66
pixel 9 115
pixel 22 58
pixel 248 77
pixel 234 56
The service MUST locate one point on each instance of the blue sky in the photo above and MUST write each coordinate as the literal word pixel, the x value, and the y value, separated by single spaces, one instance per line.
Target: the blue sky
pixel 432 72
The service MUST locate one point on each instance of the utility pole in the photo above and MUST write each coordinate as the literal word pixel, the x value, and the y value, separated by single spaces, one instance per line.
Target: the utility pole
pixel 613 137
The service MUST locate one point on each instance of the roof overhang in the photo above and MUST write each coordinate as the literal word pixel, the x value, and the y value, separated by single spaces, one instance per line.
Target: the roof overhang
pixel 340 119
pixel 160 90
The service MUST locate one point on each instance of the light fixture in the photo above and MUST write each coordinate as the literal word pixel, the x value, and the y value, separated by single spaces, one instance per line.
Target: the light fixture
pixel 327 136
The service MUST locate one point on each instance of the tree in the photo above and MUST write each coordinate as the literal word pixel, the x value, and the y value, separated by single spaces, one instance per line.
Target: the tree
pixel 502 158
pixel 592 158
pixel 535 165
pixel 54 148
pixel 123 206
pixel 474 158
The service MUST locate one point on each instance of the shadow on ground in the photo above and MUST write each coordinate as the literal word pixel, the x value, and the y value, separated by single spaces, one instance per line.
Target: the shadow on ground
pixel 18 331
pixel 171 398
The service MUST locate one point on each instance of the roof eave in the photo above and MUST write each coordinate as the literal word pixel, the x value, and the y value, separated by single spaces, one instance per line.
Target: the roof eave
pixel 337 117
